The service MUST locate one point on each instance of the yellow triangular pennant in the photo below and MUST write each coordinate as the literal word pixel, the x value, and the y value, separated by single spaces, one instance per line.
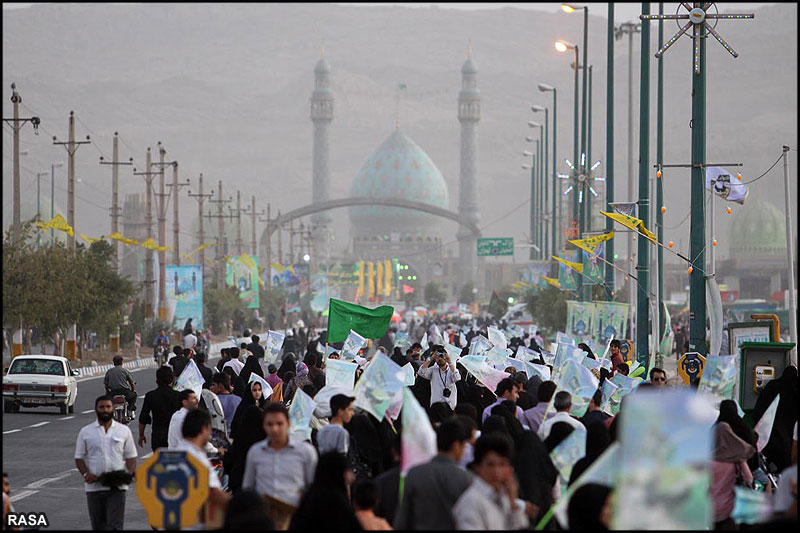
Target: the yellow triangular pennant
pixel 150 244
pixel 574 266
pixel 590 243
pixel 626 220
pixel 117 236
pixel 89 240
pixel 648 234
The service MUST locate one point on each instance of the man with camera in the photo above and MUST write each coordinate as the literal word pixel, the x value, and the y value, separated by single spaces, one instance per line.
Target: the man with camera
pixel 443 377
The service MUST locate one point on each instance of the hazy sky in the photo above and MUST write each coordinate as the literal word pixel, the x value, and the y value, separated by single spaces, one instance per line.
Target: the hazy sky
pixel 623 10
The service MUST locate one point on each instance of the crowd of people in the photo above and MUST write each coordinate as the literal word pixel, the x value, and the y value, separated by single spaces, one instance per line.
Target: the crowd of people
pixel 493 469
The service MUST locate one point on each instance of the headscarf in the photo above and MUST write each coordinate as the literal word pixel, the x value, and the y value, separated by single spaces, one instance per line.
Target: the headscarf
pixel 779 448
pixel 250 366
pixel 729 414
pixel 245 432
pixel 533 388
pixel 327 498
pixel 248 401
pixel 558 432
pixel 494 424
pixel 287 365
pixel 301 370
pixel 367 441
pixel 597 440
pixel 728 448
pixel 585 507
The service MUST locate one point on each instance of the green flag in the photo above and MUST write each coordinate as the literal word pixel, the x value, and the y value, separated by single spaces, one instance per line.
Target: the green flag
pixel 344 316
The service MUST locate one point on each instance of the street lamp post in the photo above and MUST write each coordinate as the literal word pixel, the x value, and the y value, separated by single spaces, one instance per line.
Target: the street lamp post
pixel 610 277
pixel 554 229
pixel 534 193
pixel 537 108
pixel 539 203
pixel 39 204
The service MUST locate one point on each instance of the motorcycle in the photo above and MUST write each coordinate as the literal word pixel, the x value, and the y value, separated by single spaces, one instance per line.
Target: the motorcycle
pixel 160 354
pixel 216 463
pixel 122 411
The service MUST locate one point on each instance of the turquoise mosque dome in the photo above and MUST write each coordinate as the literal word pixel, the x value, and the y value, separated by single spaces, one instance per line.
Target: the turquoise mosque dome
pixel 398 169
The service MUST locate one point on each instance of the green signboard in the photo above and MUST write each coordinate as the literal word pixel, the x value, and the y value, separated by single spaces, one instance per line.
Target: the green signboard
pixel 501 246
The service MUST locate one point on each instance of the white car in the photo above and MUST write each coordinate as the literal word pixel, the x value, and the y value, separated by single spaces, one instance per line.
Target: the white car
pixel 35 380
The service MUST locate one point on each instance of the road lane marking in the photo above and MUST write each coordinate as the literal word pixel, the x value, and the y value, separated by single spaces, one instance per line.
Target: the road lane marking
pixel 87 411
pixel 67 418
pixel 22 494
pixel 40 424
pixel 11 431
pixel 41 482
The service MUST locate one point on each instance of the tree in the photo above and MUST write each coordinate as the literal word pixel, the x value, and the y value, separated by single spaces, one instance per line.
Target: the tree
pixel 434 295
pixel 466 294
pixel 221 305
pixel 549 307
pixel 271 301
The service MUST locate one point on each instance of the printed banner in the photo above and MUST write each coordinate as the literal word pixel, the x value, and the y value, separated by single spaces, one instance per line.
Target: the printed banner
pixel 567 277
pixel 379 384
pixel 567 453
pixel 611 319
pixel 719 377
pixel 273 346
pixel 479 345
pixel 300 416
pixel 580 383
pixel 418 439
pixel 242 272
pixel 190 378
pixel 497 338
pixel 666 450
pixel 580 316
pixel 485 374
pixel 352 345
pixel 184 294
pixel 340 373
pixel 593 265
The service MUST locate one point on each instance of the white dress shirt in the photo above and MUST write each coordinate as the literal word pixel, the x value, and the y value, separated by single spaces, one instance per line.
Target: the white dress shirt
pixel 104 451
pixel 283 474
pixel 175 433
pixel 561 416
pixel 439 381
pixel 235 364
pixel 483 508
pixel 190 341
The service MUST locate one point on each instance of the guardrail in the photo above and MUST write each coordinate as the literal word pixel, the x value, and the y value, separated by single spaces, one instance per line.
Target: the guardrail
pixel 148 361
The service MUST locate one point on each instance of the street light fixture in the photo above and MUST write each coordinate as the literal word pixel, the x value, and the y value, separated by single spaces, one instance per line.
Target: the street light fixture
pixel 534 124
pixel 563 46
pixel 546 88
pixel 571 8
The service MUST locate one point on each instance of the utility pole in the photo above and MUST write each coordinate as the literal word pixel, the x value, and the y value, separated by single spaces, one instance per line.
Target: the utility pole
pixel 200 197
pixel 267 246
pixel 659 318
pixel 71 147
pixel 253 215
pixel 176 221
pixel 162 233
pixel 610 272
pixel 38 205
pixel 291 242
pixel 643 266
pixel 220 272
pixel 148 262
pixel 238 216
pixel 790 256
pixel 116 211
pixel 16 124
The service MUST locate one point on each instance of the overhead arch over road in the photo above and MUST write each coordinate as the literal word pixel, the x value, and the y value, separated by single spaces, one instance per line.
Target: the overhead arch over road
pixel 386 202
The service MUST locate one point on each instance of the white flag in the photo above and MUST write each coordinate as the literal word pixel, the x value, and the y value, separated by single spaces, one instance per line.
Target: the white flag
pixel 266 390
pixel 190 378
pixel 726 186
pixel 764 427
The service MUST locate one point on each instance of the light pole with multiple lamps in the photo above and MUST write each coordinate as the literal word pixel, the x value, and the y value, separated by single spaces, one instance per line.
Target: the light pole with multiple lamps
pixel 543 87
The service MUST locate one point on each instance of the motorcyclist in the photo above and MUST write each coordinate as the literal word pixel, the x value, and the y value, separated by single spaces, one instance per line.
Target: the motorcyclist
pixel 119 380
pixel 161 340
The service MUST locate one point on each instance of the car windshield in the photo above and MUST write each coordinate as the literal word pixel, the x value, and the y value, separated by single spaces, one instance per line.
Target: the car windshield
pixel 37 366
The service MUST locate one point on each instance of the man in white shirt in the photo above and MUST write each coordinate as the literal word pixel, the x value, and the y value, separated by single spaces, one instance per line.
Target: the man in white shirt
pixel 189 401
pixel 195 434
pixel 189 341
pixel 562 404
pixel 235 362
pixel 507 389
pixel 105 446
pixel 278 468
pixel 443 378
pixel 491 501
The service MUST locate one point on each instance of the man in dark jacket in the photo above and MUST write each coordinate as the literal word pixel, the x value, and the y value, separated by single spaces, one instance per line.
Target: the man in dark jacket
pixel 158 407
pixel 200 360
pixel 255 348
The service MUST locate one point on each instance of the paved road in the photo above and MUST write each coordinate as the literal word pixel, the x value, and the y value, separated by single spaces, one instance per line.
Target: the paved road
pixel 39 454
pixel 39 451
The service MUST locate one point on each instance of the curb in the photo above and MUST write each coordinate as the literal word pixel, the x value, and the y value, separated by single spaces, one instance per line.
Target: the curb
pixel 145 362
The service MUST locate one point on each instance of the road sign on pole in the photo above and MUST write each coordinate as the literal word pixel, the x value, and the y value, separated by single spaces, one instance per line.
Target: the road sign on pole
pixel 172 487
pixel 496 246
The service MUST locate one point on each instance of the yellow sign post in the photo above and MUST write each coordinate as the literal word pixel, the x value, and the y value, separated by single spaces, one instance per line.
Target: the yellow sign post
pixel 690 367
pixel 172 486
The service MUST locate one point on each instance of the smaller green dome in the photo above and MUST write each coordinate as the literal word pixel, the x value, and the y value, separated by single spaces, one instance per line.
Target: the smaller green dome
pixel 757 228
